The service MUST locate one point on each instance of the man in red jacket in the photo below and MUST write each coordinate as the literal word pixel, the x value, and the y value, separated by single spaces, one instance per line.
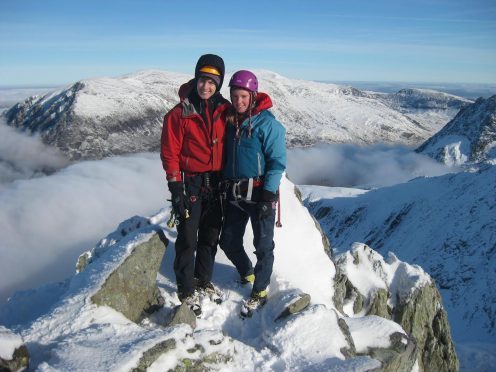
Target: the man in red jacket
pixel 192 155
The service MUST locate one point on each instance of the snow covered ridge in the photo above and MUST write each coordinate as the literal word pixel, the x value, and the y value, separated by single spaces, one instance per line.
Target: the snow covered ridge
pixel 368 271
pixel 8 343
pixel 92 119
pixel 415 98
pixel 72 333
pixel 469 138
pixel 445 224
pixel 425 106
pixel 13 354
pixel 369 285
pixel 95 118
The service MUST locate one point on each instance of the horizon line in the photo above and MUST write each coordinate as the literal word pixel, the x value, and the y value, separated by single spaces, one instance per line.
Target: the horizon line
pixel 330 81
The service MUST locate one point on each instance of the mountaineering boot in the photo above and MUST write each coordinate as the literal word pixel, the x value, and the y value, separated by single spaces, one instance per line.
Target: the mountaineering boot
pixel 207 289
pixel 255 302
pixel 247 279
pixel 193 302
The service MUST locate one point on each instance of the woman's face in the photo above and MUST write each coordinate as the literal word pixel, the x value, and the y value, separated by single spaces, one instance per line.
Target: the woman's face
pixel 240 99
pixel 205 87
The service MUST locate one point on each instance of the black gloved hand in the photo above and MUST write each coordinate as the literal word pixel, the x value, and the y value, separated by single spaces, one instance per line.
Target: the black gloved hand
pixel 267 205
pixel 180 202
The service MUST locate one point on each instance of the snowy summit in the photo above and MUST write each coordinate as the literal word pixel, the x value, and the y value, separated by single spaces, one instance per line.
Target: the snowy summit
pixel 70 332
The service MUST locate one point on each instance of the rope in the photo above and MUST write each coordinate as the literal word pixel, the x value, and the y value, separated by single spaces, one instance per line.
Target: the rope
pixel 278 223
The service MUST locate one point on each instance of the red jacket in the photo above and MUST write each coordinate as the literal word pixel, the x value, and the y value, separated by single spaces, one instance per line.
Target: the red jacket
pixel 188 143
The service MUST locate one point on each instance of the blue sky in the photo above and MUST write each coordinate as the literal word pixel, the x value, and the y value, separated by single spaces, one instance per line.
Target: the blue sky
pixel 61 41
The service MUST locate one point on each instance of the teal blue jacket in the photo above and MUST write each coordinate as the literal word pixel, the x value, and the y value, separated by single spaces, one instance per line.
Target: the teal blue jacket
pixel 261 155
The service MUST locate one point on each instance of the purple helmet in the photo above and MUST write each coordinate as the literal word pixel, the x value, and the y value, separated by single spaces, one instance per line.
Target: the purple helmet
pixel 244 79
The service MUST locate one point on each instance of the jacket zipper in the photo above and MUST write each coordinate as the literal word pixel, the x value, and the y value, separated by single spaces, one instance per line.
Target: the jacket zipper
pixel 259 164
pixel 210 125
pixel 234 157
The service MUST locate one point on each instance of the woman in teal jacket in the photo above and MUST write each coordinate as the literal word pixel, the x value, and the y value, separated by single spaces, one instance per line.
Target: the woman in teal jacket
pixel 255 161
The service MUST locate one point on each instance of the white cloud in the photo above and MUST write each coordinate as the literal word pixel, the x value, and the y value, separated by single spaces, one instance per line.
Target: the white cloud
pixel 47 222
pixel 356 166
pixel 10 96
pixel 23 156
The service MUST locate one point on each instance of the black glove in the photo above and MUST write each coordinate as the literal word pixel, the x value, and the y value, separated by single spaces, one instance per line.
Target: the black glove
pixel 180 202
pixel 267 205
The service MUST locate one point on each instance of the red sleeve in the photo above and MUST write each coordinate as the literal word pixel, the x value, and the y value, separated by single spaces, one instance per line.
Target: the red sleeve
pixel 171 143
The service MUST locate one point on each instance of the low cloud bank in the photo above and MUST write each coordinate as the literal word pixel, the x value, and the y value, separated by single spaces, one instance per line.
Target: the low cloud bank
pixel 358 166
pixel 47 222
pixel 10 96
pixel 23 156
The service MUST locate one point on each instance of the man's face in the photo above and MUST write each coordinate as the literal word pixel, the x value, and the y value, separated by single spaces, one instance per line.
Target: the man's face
pixel 240 99
pixel 205 87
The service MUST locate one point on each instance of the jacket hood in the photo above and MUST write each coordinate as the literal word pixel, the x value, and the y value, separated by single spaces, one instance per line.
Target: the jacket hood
pixel 185 89
pixel 262 102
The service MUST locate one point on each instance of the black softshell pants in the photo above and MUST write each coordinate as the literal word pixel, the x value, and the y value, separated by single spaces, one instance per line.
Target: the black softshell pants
pixel 236 219
pixel 198 234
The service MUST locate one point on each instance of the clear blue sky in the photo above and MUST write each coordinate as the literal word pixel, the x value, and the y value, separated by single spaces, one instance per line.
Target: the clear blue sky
pixel 61 41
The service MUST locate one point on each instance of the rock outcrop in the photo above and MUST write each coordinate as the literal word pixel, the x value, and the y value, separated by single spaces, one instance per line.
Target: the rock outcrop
pixel 182 314
pixel 132 289
pixel 400 356
pixel 14 354
pixel 19 361
pixel 422 316
pixel 402 293
pixel 297 302
pixel 152 354
pixel 214 350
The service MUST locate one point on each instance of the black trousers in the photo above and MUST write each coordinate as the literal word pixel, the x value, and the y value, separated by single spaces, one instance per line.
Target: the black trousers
pixel 198 234
pixel 231 241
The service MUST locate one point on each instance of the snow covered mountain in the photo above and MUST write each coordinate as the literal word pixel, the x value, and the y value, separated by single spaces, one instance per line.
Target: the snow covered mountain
pixel 95 118
pixel 469 137
pixel 64 329
pixel 445 224
pixel 426 106
pixel 101 117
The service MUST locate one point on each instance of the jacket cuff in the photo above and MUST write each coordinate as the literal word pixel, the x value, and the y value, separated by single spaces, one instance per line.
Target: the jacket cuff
pixel 174 176
pixel 175 186
pixel 269 196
